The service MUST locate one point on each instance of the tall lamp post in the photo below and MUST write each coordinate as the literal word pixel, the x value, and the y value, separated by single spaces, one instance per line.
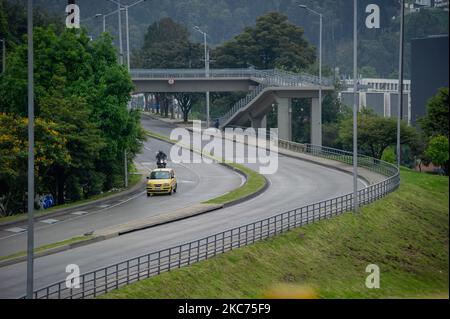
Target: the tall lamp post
pixel 119 8
pixel 104 16
pixel 400 83
pixel 30 229
pixel 355 106
pixel 196 28
pixel 320 56
pixel 125 8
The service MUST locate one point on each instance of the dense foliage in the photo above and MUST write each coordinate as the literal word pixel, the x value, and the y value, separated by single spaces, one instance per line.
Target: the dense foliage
pixel 435 131
pixel 224 19
pixel 82 122
pixel 274 42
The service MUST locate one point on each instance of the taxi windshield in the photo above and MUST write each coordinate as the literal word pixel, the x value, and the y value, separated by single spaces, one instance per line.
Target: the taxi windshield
pixel 160 175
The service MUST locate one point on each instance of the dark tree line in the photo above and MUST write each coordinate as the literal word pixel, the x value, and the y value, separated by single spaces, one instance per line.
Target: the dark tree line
pixel 83 125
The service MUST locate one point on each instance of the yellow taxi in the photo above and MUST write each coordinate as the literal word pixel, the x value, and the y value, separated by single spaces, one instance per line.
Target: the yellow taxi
pixel 162 181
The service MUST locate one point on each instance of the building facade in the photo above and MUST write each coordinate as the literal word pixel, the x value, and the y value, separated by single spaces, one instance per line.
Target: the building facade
pixel 380 95
pixel 429 71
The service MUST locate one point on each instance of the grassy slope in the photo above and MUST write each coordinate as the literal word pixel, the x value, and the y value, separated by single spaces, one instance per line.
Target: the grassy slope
pixel 405 234
pixel 254 183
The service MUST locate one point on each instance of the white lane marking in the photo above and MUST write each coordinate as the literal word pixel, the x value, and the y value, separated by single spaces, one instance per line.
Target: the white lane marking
pixel 186 182
pixel 103 206
pixel 82 216
pixel 16 230
pixel 49 221
pixel 80 213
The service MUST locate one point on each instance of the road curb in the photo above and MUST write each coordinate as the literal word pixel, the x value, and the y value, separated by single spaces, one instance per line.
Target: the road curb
pixel 249 196
pixel 327 166
pixel 50 251
pixel 153 221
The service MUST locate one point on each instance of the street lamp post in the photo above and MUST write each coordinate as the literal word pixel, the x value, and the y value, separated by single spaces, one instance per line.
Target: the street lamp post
pixel 127 26
pixel 320 56
pixel 400 83
pixel 104 16
pixel 119 8
pixel 128 30
pixel 196 28
pixel 120 32
pixel 30 229
pixel 355 106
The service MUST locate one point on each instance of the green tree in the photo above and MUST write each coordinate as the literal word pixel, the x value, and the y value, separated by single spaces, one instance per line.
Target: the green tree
pixel 50 150
pixel 436 121
pixel 375 133
pixel 389 155
pixel 167 46
pixel 437 151
pixel 368 72
pixel 273 42
pixel 82 90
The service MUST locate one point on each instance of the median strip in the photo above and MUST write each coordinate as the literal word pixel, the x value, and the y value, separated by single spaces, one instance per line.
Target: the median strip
pixel 152 221
pixel 254 185
pixel 48 249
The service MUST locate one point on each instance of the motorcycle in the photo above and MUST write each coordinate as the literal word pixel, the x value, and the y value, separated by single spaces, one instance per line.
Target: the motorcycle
pixel 161 163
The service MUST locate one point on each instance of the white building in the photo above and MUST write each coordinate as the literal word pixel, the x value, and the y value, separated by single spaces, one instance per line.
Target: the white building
pixel 381 95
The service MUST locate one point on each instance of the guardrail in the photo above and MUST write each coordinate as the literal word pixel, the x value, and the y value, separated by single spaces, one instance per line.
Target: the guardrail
pixel 123 273
pixel 194 73
pixel 228 73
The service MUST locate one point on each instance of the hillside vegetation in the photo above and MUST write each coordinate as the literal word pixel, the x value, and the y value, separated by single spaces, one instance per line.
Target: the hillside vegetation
pixel 405 234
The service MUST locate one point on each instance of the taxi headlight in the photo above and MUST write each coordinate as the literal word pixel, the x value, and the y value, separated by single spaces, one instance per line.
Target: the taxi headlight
pixel 166 185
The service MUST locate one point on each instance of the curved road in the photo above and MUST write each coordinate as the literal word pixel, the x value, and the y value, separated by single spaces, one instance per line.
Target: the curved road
pixel 295 184
pixel 196 182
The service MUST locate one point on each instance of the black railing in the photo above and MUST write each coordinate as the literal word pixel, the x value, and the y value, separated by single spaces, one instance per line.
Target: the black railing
pixel 103 280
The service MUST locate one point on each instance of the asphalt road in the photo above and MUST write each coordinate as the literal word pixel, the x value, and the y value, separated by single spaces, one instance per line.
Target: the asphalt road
pixel 295 184
pixel 196 183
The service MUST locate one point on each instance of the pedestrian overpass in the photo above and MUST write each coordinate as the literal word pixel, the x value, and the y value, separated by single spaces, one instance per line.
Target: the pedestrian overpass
pixel 264 87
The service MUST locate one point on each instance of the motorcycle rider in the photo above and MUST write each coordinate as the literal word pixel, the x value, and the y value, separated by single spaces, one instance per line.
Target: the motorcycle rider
pixel 160 157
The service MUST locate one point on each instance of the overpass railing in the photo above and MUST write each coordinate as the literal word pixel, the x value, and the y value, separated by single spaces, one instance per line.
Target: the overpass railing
pixel 194 73
pixel 273 78
pixel 103 280
pixel 279 75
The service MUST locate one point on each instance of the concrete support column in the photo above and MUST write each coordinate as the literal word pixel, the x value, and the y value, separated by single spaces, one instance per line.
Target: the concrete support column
pixel 259 122
pixel 362 100
pixel 316 122
pixel 284 118
pixel 387 104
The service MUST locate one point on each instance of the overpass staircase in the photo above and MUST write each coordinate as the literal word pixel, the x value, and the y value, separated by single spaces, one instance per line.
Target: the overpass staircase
pixel 270 80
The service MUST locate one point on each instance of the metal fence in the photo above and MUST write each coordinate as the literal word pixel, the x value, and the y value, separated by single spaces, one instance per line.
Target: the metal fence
pixel 100 281
pixel 228 73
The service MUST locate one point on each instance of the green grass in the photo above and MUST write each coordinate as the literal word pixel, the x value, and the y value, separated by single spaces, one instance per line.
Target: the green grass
pixel 133 180
pixel 405 234
pixel 48 247
pixel 254 183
